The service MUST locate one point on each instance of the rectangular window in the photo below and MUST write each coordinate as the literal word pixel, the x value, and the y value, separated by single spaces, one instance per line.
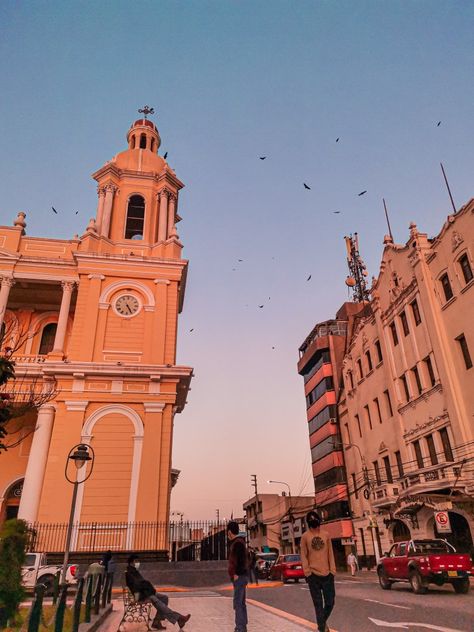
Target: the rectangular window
pixel 354 485
pixel 432 450
pixel 446 285
pixel 398 457
pixel 379 351
pixel 416 375
pixel 367 414
pixel 448 451
pixel 403 318
pixel 465 351
pixel 351 378
pixel 316 362
pixel 416 312
pixel 466 268
pixel 429 368
pixel 388 469
pixel 388 401
pixel 358 424
pixel 377 473
pixel 324 448
pixel 377 406
pixel 369 361
pixel 331 477
pixel 393 329
pixel 326 384
pixel 348 433
pixel 418 454
pixel 406 391
pixel 359 366
pixel 316 422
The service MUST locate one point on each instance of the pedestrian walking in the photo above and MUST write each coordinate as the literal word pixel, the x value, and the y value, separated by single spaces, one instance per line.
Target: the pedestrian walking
pixel 238 573
pixel 253 577
pixel 94 571
pixel 144 590
pixel 352 563
pixel 319 568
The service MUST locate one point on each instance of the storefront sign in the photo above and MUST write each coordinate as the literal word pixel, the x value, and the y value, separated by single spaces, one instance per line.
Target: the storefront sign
pixel 443 524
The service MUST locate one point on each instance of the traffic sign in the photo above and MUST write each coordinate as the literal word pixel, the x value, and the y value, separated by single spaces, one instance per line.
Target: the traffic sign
pixel 443 524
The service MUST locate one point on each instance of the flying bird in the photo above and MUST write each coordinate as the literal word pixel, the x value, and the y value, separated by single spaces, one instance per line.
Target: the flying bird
pixel 191 330
pixel 361 193
pixel 439 123
pixel 309 278
pixel 336 212
pixel 260 306
pixel 165 156
pixel 240 260
pixel 306 186
pixel 273 347
pixel 262 157
pixel 54 210
pixel 337 140
pixel 76 212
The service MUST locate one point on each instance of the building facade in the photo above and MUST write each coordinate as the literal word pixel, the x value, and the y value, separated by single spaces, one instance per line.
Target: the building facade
pixel 407 405
pixel 95 318
pixel 320 365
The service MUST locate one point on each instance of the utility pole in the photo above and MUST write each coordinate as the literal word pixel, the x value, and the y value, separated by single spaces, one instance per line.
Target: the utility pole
pixel 218 515
pixel 253 478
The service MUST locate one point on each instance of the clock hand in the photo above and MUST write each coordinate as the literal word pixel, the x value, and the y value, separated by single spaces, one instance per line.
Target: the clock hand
pixel 129 310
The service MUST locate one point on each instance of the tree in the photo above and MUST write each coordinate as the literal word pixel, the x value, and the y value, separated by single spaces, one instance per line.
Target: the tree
pixel 13 541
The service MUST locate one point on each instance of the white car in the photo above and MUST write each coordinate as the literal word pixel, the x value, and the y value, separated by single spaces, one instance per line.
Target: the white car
pixel 35 570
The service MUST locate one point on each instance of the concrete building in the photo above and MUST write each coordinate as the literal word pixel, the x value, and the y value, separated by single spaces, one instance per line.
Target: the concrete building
pixel 268 517
pixel 320 364
pixel 100 314
pixel 406 410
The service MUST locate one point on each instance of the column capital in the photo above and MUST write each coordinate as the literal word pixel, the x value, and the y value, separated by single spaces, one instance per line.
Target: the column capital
pixel 154 407
pixel 164 192
pixel 68 286
pixel 8 281
pixel 172 196
pixel 50 408
pixel 100 191
pixel 111 187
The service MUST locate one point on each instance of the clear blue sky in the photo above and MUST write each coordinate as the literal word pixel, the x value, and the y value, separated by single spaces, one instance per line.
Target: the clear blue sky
pixel 231 81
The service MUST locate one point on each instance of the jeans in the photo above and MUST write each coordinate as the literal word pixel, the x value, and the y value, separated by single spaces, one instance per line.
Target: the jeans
pixel 160 602
pixel 240 607
pixel 323 595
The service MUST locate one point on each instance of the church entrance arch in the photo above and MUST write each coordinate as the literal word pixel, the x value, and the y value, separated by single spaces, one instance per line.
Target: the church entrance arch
pixel 11 501
pixel 400 531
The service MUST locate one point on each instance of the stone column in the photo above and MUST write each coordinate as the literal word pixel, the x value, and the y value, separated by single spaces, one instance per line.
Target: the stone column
pixel 171 213
pixel 68 288
pixel 163 217
pixel 36 467
pixel 7 283
pixel 110 190
pixel 100 208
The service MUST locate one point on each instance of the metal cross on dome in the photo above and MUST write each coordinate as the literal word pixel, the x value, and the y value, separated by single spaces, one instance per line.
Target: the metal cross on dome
pixel 146 111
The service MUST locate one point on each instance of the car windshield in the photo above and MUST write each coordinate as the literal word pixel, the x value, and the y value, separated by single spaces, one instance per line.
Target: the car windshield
pixel 430 547
pixel 268 557
pixel 292 558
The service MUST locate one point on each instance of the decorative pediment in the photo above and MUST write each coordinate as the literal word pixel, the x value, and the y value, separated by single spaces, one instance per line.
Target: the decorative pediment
pixel 456 240
pixel 382 447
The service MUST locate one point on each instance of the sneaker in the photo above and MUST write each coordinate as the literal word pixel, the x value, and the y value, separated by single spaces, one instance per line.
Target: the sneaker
pixel 157 625
pixel 183 620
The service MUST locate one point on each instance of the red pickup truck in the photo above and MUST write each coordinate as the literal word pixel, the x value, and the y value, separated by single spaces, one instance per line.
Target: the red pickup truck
pixel 423 562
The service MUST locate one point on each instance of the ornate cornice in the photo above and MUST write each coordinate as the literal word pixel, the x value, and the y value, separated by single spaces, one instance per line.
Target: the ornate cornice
pixel 420 429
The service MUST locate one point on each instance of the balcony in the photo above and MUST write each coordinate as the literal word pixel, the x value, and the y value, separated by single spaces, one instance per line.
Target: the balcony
pixel 433 478
pixel 385 495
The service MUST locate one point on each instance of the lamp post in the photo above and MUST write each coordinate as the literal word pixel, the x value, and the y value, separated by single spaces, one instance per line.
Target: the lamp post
pixel 293 544
pixel 80 455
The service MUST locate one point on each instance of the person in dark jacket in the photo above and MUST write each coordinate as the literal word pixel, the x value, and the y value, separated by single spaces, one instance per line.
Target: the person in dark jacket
pixel 144 590
pixel 238 573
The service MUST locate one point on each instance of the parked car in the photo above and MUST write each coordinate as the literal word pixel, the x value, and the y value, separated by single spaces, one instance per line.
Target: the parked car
pixel 35 570
pixel 423 562
pixel 287 567
pixel 264 562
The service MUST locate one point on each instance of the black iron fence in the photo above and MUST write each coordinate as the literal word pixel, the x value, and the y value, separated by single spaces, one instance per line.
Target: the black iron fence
pixel 183 540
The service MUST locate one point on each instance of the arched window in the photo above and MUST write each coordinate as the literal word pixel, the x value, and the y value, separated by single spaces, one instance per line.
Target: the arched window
pixel 132 143
pixel 152 145
pixel 142 141
pixel 47 338
pixel 135 218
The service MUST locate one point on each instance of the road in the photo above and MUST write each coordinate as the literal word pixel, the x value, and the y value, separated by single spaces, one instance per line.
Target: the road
pixel 361 603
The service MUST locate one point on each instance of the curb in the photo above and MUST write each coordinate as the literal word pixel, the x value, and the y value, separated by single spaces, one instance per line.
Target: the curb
pixel 309 625
pixel 92 627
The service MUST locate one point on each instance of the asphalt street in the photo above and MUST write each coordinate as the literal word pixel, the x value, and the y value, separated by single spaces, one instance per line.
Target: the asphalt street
pixel 362 606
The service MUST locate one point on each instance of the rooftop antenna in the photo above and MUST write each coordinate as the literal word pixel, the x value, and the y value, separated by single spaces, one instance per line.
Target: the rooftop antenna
pixel 387 218
pixel 146 111
pixel 357 270
pixel 447 186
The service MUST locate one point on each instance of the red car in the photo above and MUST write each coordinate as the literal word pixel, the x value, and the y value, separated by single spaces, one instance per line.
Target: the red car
pixel 423 562
pixel 287 567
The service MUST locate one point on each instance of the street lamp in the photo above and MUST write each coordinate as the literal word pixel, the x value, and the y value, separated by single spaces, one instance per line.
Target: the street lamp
pixel 293 544
pixel 80 455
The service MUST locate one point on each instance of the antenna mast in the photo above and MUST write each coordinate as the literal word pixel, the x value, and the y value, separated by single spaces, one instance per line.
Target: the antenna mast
pixel 357 270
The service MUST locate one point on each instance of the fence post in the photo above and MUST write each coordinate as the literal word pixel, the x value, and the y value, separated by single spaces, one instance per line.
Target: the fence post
pixel 60 610
pixel 36 609
pixel 98 588
pixel 105 588
pixel 87 618
pixel 76 616
pixel 56 587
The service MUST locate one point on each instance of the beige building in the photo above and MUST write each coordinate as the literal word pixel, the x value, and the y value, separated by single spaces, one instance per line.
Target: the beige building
pixel 268 517
pixel 406 411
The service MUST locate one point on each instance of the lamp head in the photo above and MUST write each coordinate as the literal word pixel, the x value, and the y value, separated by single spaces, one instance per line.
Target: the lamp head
pixel 80 456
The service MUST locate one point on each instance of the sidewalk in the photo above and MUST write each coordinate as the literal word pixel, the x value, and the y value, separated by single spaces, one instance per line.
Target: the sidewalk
pixel 211 612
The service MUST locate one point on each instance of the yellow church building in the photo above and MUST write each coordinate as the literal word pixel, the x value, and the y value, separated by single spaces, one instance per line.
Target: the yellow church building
pixel 96 319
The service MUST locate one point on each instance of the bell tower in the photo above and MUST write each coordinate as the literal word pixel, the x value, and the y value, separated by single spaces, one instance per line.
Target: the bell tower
pixel 138 196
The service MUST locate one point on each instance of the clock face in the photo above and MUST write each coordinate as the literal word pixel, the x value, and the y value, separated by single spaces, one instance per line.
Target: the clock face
pixel 127 305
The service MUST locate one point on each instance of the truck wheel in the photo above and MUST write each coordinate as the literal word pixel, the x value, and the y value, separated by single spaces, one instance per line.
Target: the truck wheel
pixel 462 586
pixel 419 587
pixel 48 583
pixel 384 582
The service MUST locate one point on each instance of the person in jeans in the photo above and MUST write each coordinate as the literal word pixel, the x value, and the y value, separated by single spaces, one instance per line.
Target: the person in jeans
pixel 238 573
pixel 319 568
pixel 144 590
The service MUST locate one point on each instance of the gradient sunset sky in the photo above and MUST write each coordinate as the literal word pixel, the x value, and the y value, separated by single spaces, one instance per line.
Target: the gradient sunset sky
pixel 232 81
